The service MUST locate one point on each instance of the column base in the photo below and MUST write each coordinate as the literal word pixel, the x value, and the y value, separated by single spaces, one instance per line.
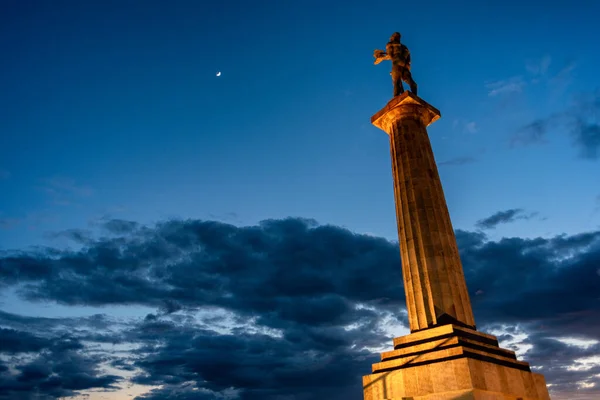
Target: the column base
pixel 452 363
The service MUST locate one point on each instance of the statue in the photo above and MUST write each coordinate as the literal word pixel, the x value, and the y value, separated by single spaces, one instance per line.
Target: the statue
pixel 400 57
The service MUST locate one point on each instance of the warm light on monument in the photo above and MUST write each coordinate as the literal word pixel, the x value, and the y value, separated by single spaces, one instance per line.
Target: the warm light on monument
pixel 444 357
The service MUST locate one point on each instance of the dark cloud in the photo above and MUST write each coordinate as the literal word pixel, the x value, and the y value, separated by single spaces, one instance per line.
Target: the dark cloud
pixel 285 309
pixel 550 351
pixel 59 367
pixel 41 324
pixel 264 270
pixel 185 392
pixel 518 276
pixel 13 341
pixel 119 226
pixel 532 133
pixel 80 236
pixel 458 161
pixel 579 121
pixel 259 365
pixel 503 217
pixel 587 138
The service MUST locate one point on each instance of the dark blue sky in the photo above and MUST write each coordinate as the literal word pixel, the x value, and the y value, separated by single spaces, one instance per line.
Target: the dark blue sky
pixel 120 101
pixel 113 109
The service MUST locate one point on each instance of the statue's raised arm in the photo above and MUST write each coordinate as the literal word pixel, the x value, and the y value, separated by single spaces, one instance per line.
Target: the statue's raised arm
pixel 380 56
pixel 399 55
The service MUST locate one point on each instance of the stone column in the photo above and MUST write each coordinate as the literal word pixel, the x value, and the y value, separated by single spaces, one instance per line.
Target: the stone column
pixel 434 282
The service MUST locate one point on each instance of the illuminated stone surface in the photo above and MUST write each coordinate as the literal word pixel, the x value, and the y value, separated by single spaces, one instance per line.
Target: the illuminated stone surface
pixel 444 358
pixel 451 362
pixel 434 283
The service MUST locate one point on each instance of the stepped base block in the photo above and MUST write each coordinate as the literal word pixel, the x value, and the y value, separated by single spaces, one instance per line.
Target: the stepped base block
pixel 452 363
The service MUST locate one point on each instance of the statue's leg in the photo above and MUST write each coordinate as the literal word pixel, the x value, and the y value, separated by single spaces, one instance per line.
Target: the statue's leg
pixel 407 77
pixel 397 81
pixel 413 87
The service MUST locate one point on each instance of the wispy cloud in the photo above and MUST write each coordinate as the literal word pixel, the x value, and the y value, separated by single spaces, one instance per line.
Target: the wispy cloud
pixel 505 86
pixel 64 190
pixel 537 71
pixel 580 121
pixel 466 126
pixel 532 133
pixel 586 136
pixel 8 223
pixel 458 161
pixel 31 221
pixel 230 217
pixel 538 67
pixel 504 217
pixel 471 127
pixel 565 75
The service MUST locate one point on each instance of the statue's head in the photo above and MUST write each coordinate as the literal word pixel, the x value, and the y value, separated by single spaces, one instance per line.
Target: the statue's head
pixel 395 37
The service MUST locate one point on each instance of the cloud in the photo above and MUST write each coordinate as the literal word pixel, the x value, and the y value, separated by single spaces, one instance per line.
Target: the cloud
pixel 566 374
pixel 466 126
pixel 458 161
pixel 587 138
pixel 188 391
pixel 56 367
pixel 64 190
pixel 538 71
pixel 80 236
pixel 579 121
pixel 266 311
pixel 9 223
pixel 224 362
pixel 503 217
pixel 515 272
pixel 4 174
pixel 471 127
pixel 532 133
pixel 234 261
pixel 12 341
pixel 539 67
pixel 563 78
pixel 32 221
pixel 119 226
pixel 59 326
pixel 505 86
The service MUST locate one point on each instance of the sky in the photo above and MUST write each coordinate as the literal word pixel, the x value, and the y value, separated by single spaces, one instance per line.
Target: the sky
pixel 168 233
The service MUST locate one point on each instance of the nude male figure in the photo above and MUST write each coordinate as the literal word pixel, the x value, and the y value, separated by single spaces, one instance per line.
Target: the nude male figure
pixel 400 57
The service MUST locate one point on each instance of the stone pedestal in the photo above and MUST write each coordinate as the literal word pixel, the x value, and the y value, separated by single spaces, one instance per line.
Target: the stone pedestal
pixel 452 363
pixel 444 357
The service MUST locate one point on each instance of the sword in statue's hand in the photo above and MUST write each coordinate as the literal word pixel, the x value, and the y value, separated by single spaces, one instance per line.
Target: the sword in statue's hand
pixel 380 56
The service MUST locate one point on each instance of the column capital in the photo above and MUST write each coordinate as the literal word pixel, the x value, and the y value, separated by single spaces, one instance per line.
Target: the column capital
pixel 403 106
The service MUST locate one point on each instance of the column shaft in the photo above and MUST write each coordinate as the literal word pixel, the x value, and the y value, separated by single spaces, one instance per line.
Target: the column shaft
pixel 436 292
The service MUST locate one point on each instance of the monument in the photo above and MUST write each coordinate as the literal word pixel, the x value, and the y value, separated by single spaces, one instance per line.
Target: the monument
pixel 444 357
